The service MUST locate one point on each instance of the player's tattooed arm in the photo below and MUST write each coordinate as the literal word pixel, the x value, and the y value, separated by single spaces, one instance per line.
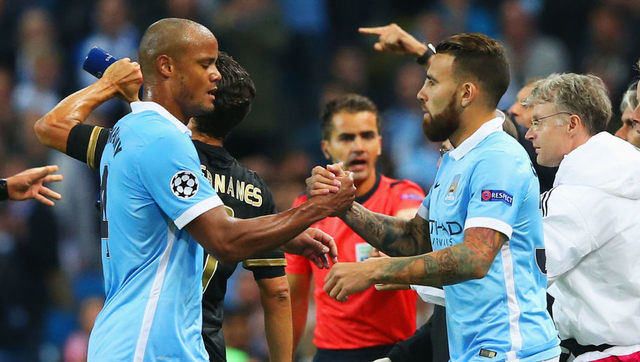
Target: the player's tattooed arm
pixel 393 235
pixel 470 259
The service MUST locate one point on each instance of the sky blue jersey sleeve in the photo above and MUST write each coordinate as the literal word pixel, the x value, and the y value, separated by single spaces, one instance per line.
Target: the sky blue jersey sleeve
pixel 170 170
pixel 423 210
pixel 498 187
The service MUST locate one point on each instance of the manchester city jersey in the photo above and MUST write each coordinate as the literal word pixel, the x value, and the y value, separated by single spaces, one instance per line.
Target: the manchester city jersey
pixel 488 181
pixel 151 187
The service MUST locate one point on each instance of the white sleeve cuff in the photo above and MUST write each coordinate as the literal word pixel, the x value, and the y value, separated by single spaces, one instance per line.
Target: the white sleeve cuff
pixel 430 294
pixel 197 210
pixel 489 223
pixel 423 212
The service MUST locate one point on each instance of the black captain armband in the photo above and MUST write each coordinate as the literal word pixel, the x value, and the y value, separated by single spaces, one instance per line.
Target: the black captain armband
pixel 266 268
pixel 424 58
pixel 86 143
pixel 4 190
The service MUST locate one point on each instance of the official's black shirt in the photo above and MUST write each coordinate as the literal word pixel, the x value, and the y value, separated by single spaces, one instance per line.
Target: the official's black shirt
pixel 244 194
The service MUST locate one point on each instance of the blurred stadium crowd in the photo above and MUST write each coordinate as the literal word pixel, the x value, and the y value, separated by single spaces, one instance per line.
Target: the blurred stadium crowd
pixel 300 54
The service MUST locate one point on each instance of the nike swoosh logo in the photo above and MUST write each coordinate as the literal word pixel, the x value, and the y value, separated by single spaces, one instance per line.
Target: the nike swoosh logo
pixel 436 186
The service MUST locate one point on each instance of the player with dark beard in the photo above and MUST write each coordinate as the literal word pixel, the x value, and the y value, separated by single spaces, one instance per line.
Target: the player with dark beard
pixel 478 231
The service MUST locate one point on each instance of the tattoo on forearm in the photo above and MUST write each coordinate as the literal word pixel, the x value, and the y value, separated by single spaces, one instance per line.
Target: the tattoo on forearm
pixel 468 260
pixel 392 235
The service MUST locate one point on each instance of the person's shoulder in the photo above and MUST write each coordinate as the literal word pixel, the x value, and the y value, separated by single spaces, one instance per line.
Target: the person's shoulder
pixel 501 149
pixel 399 184
pixel 501 142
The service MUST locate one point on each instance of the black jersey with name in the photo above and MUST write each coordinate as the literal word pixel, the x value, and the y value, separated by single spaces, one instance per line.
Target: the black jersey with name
pixel 244 194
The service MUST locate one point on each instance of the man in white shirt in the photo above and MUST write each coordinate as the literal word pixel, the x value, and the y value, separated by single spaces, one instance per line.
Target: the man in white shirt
pixel 591 218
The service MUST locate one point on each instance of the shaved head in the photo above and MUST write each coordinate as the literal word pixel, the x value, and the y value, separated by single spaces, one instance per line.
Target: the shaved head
pixel 178 62
pixel 171 37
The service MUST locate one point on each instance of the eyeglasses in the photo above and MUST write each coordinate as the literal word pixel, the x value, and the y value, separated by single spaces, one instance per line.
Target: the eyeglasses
pixel 537 122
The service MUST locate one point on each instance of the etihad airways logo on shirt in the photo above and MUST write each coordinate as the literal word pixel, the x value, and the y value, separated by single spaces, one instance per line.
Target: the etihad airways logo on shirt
pixel 496 195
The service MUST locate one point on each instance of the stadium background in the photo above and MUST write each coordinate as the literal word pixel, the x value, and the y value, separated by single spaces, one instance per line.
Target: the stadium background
pixel 299 53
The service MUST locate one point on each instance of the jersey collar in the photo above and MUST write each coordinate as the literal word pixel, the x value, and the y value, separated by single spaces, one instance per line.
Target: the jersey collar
pixel 494 125
pixel 137 107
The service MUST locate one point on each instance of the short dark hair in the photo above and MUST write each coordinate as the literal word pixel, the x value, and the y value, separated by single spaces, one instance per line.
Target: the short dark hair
pixel 236 91
pixel 351 103
pixel 480 57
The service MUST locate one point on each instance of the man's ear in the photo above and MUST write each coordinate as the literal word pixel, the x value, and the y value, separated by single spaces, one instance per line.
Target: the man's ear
pixel 469 93
pixel 324 145
pixel 165 65
pixel 575 123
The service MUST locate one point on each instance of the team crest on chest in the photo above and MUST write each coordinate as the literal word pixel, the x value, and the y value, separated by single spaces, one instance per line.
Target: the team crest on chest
pixel 453 187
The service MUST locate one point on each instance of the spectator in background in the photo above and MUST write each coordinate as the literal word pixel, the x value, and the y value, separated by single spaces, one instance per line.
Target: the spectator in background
pixel 413 156
pixel 40 93
pixel 466 16
pixel 306 56
pixel 28 260
pixel 521 116
pixel 430 26
pixel 530 54
pixel 36 31
pixel 257 39
pixel 630 128
pixel 349 69
pixel 605 50
pixel 76 345
pixel 591 218
pixel 113 30
pixel 9 124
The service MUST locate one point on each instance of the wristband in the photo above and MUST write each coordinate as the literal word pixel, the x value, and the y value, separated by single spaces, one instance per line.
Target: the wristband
pixel 4 190
pixel 424 58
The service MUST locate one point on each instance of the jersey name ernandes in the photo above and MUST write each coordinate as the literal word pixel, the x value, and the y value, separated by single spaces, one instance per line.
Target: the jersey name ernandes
pixel 241 190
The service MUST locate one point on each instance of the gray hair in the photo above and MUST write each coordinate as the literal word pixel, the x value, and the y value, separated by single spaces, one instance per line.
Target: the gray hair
pixel 583 95
pixel 629 99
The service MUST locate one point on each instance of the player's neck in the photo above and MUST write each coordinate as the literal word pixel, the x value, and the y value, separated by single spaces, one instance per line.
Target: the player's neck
pixel 469 124
pixel 366 185
pixel 199 136
pixel 163 98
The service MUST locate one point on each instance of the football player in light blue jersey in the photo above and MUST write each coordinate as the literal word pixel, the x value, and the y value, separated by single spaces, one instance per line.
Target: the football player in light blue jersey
pixel 158 211
pixel 479 229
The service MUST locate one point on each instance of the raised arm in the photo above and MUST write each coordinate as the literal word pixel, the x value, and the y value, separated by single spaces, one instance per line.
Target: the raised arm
pixel 470 259
pixel 392 38
pixel 121 78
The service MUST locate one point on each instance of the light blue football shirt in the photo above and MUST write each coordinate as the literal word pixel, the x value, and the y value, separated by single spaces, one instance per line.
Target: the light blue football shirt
pixel 151 188
pixel 488 181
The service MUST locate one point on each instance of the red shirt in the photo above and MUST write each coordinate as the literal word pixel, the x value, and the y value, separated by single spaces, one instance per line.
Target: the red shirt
pixel 371 318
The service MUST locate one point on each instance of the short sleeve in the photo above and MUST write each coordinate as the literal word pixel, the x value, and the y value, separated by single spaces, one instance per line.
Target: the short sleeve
pixel 423 210
pixel 497 188
pixel 170 170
